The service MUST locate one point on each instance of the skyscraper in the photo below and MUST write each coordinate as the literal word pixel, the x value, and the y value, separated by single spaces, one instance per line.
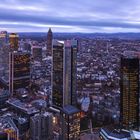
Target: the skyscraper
pixel 129 111
pixel 70 123
pixel 57 74
pixel 3 38
pixel 41 127
pixel 49 41
pixel 13 40
pixel 70 70
pixel 37 53
pixel 64 87
pixel 64 73
pixel 19 65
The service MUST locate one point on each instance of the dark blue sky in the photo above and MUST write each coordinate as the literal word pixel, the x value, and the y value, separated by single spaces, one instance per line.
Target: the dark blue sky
pixel 70 15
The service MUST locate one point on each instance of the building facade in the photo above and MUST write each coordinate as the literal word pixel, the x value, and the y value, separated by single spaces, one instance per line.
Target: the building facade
pixel 19 65
pixel 49 41
pixel 13 40
pixel 3 38
pixel 64 73
pixel 57 74
pixel 41 127
pixel 37 53
pixel 70 123
pixel 129 104
pixel 70 72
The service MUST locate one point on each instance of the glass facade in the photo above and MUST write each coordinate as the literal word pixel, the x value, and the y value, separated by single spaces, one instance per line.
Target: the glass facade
pixel 57 79
pixel 74 70
pixel 64 73
pixel 13 40
pixel 67 90
pixel 71 124
pixel 19 70
pixel 130 93
pixel 70 68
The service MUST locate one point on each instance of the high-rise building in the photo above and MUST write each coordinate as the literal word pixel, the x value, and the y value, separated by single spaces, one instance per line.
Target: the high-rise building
pixel 41 127
pixel 13 40
pixel 3 38
pixel 19 65
pixel 57 74
pixel 27 47
pixel 64 73
pixel 49 41
pixel 70 123
pixel 70 71
pixel 37 53
pixel 129 103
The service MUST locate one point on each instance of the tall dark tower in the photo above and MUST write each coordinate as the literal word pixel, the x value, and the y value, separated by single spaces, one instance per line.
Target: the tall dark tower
pixel 49 41
pixel 64 73
pixel 64 87
pixel 57 74
pixel 70 71
pixel 129 105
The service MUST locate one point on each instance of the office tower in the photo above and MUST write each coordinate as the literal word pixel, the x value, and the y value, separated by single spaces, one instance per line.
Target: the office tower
pixel 27 47
pixel 3 38
pixel 4 65
pixel 129 104
pixel 49 41
pixel 70 72
pixel 57 74
pixel 70 123
pixel 41 127
pixel 64 73
pixel 13 40
pixel 37 53
pixel 19 65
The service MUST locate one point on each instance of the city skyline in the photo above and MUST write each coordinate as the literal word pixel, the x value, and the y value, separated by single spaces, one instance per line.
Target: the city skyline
pixel 74 89
pixel 67 16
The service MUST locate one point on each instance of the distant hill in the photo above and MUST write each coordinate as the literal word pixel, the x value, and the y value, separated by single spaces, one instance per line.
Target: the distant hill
pixel 33 35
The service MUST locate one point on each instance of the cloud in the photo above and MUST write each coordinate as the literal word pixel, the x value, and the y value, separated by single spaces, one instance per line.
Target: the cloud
pixel 70 15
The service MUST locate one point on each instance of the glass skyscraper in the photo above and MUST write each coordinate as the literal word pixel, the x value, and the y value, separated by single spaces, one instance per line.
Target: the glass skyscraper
pixel 19 64
pixel 129 111
pixel 57 74
pixel 13 40
pixel 64 73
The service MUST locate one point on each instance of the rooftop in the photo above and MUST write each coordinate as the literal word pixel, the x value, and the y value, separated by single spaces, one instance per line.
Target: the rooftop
pixel 27 108
pixel 135 135
pixel 69 109
pixel 6 122
pixel 58 43
pixel 110 132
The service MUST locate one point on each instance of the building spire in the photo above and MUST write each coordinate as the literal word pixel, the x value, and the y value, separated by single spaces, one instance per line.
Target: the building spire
pixel 49 41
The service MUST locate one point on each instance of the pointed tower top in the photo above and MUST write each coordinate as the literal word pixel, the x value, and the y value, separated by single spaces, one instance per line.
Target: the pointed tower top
pixel 50 30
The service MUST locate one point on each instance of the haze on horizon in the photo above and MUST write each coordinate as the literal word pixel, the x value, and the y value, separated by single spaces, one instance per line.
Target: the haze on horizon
pixel 87 16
